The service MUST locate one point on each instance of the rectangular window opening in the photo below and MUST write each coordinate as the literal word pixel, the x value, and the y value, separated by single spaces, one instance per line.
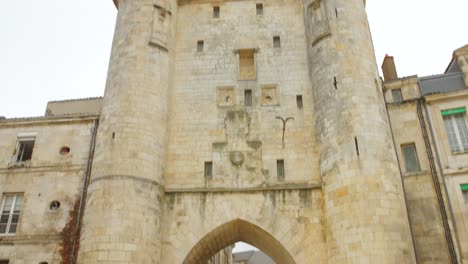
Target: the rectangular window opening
pixel 208 169
pixel 276 42
pixel 280 169
pixel 216 11
pixel 10 212
pixel 200 45
pixel 456 128
pixel 299 101
pixel 4 261
pixel 411 157
pixel 248 97
pixel 259 9
pixel 464 189
pixel 24 149
pixel 247 65
pixel 397 97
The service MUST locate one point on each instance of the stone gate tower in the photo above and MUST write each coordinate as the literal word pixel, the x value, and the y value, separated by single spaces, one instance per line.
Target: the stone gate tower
pixel 255 121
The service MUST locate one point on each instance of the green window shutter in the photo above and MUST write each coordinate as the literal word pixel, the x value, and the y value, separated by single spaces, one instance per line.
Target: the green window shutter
pixel 464 187
pixel 459 110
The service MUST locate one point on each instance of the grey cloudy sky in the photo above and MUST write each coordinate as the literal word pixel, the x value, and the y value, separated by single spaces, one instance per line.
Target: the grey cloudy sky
pixel 59 49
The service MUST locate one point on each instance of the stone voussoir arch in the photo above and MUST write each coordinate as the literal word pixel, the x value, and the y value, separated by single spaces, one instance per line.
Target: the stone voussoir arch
pixel 235 231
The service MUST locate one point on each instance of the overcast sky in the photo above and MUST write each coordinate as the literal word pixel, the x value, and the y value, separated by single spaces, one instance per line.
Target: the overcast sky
pixel 59 49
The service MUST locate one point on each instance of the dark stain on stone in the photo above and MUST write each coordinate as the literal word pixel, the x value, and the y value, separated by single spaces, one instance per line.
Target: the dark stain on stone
pixel 273 198
pixel 254 144
pixel 171 197
pixel 202 205
pixel 304 197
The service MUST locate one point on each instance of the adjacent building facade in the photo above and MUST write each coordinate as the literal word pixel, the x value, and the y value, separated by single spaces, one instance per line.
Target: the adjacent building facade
pixel 262 122
pixel 429 125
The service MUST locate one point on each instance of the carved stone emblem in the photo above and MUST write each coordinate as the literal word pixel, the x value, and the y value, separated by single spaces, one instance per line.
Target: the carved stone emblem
pixel 237 158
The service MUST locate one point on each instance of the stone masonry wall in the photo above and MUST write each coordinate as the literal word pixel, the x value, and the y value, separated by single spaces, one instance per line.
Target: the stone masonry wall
pixel 49 177
pixel 203 127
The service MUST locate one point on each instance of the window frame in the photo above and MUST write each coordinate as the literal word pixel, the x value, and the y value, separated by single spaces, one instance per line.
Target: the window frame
pixel 413 144
pixel 399 93
pixel 200 46
pixel 455 139
pixel 11 213
pixel 259 9
pixel 277 42
pixel 216 12
pixel 248 98
pixel 19 141
pixel 299 102
pixel 208 169
pixel 280 170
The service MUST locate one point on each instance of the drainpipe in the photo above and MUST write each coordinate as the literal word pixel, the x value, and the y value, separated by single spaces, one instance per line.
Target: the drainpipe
pixel 84 190
pixel 402 181
pixel 439 162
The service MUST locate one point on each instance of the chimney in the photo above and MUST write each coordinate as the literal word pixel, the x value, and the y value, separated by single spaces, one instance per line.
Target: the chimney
pixel 389 69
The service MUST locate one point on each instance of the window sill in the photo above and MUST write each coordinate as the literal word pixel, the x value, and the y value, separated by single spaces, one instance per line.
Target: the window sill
pixel 22 164
pixel 416 173
pixel 456 153
pixel 7 235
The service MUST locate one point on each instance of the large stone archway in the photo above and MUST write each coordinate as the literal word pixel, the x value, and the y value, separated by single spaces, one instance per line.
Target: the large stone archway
pixel 285 224
pixel 235 231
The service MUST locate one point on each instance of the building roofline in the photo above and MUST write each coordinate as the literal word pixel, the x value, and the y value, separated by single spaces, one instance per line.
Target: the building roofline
pixel 77 99
pixel 401 79
pixel 47 119
pixel 436 76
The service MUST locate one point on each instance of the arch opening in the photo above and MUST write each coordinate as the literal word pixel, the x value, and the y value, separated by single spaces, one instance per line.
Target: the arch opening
pixel 237 231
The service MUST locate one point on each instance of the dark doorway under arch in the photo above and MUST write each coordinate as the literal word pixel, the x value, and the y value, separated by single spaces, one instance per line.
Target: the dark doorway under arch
pixel 235 231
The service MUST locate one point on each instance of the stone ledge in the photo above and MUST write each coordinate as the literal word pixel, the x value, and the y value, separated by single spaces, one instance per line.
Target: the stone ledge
pixel 28 239
pixel 280 187
pixel 32 169
pixel 124 177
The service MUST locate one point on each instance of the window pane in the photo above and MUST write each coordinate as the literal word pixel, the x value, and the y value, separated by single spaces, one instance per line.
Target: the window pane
pixel 8 202
pixel 19 202
pixel 462 130
pixel 216 11
pixel 200 45
pixel 276 42
pixel 4 218
pixel 14 219
pixel 299 101
pixel 280 169
pixel 452 137
pixel 248 97
pixel 465 196
pixel 208 169
pixel 28 149
pixel 259 9
pixel 3 228
pixel 397 97
pixel 12 229
pixel 411 158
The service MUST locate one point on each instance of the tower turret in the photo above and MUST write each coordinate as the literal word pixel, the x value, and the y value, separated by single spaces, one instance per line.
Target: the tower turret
pixel 123 209
pixel 364 210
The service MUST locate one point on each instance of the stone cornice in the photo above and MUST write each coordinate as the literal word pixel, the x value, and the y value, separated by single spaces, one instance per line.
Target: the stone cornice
pixel 276 187
pixel 47 120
